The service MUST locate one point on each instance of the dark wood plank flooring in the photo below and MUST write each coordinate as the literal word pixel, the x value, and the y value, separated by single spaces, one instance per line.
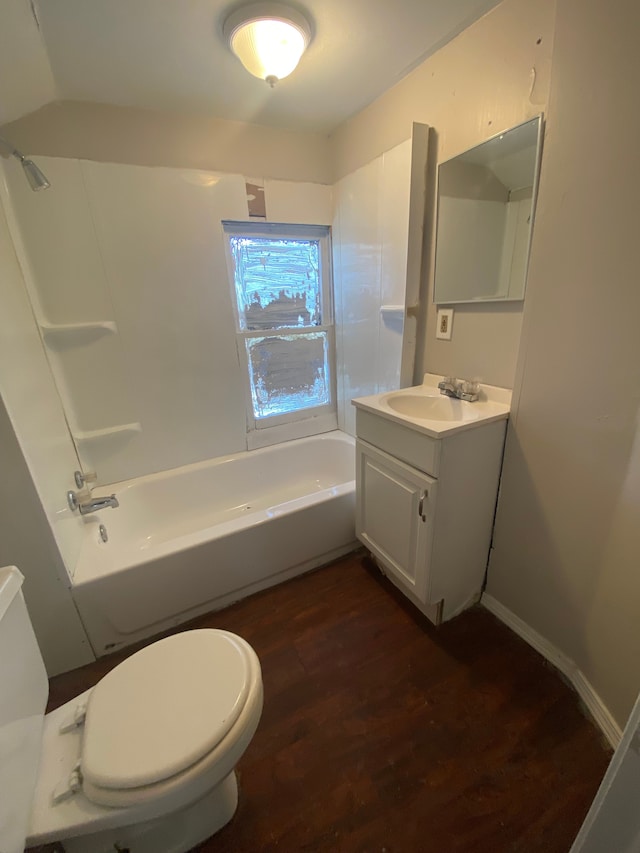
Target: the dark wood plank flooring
pixel 383 733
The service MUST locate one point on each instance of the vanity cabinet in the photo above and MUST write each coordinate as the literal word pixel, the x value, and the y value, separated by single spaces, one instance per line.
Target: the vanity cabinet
pixel 395 511
pixel 425 508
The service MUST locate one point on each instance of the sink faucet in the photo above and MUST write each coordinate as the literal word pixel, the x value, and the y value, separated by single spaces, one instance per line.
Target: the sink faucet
pixel 462 389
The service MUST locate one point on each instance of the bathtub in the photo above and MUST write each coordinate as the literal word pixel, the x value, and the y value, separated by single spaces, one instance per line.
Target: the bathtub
pixel 195 539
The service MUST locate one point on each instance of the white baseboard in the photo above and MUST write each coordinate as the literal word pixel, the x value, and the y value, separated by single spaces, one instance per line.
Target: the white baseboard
pixel 567 667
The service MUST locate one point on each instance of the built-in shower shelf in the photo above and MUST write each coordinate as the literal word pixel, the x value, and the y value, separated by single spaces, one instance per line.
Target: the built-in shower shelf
pixel 76 334
pixel 121 430
pixel 393 317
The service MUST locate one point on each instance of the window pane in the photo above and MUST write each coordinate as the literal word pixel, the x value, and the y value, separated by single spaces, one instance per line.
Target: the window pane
pixel 288 373
pixel 277 282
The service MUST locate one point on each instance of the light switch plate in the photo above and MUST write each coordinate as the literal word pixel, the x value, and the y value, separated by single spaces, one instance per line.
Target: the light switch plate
pixel 444 324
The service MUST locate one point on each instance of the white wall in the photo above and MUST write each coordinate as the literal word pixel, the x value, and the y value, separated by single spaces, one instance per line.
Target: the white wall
pixel 31 400
pixel 474 87
pixel 298 202
pixel 44 455
pixel 356 271
pixel 371 240
pixel 162 246
pixel 142 249
pixel 567 535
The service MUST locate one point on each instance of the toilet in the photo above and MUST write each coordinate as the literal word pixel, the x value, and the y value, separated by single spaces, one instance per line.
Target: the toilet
pixel 143 762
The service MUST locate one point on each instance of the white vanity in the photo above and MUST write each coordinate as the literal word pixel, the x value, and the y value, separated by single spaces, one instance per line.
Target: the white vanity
pixel 427 476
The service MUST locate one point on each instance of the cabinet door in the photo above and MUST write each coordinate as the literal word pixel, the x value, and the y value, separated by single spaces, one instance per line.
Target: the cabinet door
pixel 394 516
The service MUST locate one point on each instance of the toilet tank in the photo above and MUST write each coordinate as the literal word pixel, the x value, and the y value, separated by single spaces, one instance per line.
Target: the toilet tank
pixel 23 698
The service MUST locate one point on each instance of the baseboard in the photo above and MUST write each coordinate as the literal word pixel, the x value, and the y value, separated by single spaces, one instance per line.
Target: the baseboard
pixel 594 704
pixel 597 708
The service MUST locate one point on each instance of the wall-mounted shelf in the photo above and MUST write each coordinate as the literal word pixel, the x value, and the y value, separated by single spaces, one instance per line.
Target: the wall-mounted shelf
pixel 121 430
pixel 76 334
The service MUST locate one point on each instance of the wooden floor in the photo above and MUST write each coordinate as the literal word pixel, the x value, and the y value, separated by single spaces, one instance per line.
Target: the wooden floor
pixel 383 733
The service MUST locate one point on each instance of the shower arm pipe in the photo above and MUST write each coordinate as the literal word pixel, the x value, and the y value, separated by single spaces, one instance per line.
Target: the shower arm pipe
pixel 35 176
pixel 11 150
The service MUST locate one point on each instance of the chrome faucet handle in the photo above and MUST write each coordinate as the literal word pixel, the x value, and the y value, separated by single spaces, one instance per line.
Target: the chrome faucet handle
pixel 462 389
pixel 449 386
pixel 83 479
pixel 75 500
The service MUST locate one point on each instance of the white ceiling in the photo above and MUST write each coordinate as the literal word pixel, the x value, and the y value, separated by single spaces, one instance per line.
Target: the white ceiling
pixel 170 55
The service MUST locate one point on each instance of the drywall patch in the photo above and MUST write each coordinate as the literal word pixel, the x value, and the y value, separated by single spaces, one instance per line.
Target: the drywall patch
pixel 256 199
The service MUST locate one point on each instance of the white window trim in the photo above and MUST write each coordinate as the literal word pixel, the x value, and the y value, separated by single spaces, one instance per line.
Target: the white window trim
pixel 294 429
pixel 262 432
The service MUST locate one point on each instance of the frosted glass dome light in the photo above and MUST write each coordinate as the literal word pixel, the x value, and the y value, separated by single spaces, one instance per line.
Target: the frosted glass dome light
pixel 268 38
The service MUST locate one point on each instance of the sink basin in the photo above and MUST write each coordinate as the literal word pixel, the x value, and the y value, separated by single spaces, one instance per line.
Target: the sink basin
pixel 424 407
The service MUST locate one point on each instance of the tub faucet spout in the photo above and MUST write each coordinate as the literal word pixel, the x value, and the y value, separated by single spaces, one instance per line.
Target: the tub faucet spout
pixel 96 504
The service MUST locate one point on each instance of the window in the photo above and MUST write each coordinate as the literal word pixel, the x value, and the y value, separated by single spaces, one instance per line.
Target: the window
pixel 281 281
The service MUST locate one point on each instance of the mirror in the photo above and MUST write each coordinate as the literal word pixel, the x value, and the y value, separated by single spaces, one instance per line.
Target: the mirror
pixel 486 202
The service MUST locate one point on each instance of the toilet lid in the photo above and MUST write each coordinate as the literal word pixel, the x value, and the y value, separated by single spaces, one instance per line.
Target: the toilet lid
pixel 164 708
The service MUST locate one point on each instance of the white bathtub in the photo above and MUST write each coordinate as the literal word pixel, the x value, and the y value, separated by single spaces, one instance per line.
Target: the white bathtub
pixel 196 538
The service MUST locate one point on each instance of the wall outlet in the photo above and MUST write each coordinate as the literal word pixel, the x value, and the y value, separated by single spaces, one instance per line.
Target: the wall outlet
pixel 444 324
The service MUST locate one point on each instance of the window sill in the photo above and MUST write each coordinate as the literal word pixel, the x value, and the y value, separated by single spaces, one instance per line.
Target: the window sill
pixel 288 432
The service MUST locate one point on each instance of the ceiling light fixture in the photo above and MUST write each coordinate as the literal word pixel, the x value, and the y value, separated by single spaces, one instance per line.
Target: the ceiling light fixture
pixel 268 39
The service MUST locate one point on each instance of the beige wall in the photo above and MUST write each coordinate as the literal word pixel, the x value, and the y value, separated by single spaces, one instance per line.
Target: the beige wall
pixel 567 537
pixel 474 87
pixel 459 179
pixel 26 81
pixel 468 91
pixel 567 542
pixel 115 134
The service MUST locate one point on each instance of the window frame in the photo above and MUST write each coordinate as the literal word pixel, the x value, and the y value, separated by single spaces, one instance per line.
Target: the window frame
pixel 300 422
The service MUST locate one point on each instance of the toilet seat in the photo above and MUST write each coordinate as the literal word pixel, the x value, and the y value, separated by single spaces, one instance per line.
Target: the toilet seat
pixel 173 815
pixel 96 809
pixel 162 710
